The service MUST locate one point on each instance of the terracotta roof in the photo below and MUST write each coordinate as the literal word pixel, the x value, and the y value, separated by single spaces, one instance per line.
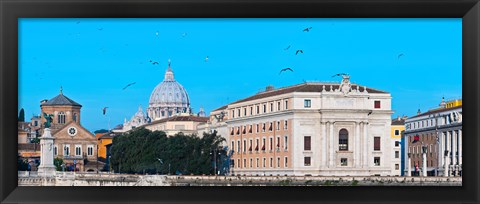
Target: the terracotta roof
pixel 221 108
pixel 306 87
pixel 436 111
pixel 181 118
pixel 60 100
pixel 398 122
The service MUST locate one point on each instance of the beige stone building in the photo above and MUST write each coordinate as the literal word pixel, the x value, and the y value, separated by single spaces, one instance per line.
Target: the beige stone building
pixel 73 143
pixel 327 129
pixel 186 124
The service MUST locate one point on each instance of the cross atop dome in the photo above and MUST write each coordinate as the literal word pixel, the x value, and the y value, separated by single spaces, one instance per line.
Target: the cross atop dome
pixel 169 73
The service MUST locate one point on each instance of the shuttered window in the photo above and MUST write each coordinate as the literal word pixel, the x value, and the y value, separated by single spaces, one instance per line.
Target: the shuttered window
pixel 376 143
pixel 307 143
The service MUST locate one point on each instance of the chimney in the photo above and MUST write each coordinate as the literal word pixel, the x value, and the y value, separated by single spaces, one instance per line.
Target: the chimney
pixel 43 101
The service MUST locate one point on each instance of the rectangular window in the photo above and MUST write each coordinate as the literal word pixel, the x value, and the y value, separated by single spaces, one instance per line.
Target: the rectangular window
pixel 271 162
pixel 251 110
pixel 239 164
pixel 78 151
pixel 271 107
pixel 377 104
pixel 285 125
pixel 251 163
pixel 257 162
pixel 233 145
pixel 264 162
pixel 245 111
pixel 90 150
pixel 271 144
pixel 244 145
pixel 376 161
pixel 397 132
pixel 244 163
pixel 307 103
pixel 278 161
pixel 397 167
pixel 258 127
pixel 233 113
pixel 278 105
pixel 238 111
pixel 263 144
pixel 66 150
pixel 397 154
pixel 285 142
pixel 343 162
pixel 306 161
pixel 55 150
pixel 263 127
pixel 286 162
pixel 397 143
pixel 376 143
pixel 286 104
pixel 307 143
pixel 278 125
pixel 258 109
pixel 264 108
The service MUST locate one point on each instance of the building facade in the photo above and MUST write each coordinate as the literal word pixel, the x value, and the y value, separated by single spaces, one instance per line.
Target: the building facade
pixel 398 128
pixel 327 129
pixel 184 123
pixel 74 144
pixel 436 133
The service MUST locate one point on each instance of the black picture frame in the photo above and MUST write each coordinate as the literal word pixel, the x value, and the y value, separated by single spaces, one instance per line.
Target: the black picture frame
pixel 11 10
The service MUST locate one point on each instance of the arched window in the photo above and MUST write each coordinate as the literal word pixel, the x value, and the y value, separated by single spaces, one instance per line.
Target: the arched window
pixel 343 140
pixel 61 118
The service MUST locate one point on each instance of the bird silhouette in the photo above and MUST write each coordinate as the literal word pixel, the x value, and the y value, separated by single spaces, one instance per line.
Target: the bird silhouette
pixel 307 29
pixel 299 51
pixel 206 59
pixel 100 29
pixel 153 62
pixel 129 85
pixel 287 48
pixel 184 34
pixel 285 69
pixel 400 55
pixel 104 109
pixel 340 74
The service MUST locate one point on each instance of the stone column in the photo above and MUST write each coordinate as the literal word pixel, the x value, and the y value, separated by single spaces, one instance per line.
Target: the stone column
pixel 324 145
pixel 46 168
pixel 365 146
pixel 409 165
pixel 424 161
pixel 454 151
pixel 356 157
pixel 332 149
pixel 446 164
pixel 460 147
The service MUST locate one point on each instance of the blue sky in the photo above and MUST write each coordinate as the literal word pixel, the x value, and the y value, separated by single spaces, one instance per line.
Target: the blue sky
pixel 93 59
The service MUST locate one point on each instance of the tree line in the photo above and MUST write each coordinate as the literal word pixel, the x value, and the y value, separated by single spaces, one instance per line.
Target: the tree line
pixel 144 151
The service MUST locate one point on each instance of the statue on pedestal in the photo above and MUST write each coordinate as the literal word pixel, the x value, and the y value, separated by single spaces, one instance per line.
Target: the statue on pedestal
pixel 49 118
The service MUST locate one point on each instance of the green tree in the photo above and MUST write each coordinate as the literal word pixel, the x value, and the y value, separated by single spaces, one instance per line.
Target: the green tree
pixel 35 140
pixel 58 164
pixel 101 131
pixel 21 116
pixel 144 151
pixel 22 164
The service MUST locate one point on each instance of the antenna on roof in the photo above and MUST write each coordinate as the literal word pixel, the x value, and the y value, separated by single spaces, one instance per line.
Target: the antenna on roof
pixel 61 90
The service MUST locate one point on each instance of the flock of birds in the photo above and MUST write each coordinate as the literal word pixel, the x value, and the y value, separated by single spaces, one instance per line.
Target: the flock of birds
pixel 298 51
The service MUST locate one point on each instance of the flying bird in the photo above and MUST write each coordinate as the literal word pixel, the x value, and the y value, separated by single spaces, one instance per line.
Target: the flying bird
pixel 285 69
pixel 129 85
pixel 307 29
pixel 206 59
pixel 287 48
pixel 100 29
pixel 400 55
pixel 153 62
pixel 78 22
pixel 184 34
pixel 340 74
pixel 299 51
pixel 104 109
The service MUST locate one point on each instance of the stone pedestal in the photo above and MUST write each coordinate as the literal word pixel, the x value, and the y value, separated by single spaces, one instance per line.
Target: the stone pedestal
pixel 424 164
pixel 46 168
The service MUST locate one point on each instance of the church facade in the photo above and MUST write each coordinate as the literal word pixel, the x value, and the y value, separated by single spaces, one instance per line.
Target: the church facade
pixel 74 144
pixel 325 129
